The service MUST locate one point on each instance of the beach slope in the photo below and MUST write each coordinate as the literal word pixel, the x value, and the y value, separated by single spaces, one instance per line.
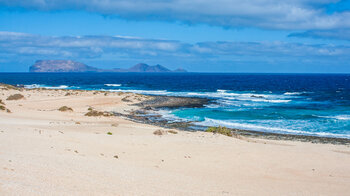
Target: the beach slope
pixel 81 149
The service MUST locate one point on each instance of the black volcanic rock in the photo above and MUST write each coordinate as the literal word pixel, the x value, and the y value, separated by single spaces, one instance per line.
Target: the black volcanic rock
pixel 60 66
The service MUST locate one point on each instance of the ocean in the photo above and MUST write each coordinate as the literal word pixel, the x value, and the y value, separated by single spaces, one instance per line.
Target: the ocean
pixel 306 104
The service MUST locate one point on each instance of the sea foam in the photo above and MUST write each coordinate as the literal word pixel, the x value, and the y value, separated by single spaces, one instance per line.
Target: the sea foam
pixel 246 126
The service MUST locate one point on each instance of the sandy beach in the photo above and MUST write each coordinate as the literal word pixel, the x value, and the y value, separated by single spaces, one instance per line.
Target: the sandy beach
pixel 44 151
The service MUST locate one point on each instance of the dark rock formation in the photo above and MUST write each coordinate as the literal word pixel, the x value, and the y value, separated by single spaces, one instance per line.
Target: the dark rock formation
pixel 173 102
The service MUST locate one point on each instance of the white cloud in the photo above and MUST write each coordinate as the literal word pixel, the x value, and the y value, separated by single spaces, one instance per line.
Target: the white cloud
pixel 95 47
pixel 271 14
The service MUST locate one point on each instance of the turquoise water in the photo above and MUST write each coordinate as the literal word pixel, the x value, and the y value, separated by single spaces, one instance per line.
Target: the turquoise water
pixel 309 104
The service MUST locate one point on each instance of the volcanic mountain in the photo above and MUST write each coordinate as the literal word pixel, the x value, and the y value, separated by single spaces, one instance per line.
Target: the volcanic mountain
pixel 73 66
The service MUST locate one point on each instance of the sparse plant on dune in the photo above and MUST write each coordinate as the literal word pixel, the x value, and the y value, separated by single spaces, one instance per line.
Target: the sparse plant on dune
pixel 220 130
pixel 15 97
pixel 93 112
pixel 159 132
pixel 65 109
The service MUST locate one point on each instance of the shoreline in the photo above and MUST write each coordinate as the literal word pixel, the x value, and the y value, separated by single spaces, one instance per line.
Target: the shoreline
pixel 55 142
pixel 171 102
pixel 141 115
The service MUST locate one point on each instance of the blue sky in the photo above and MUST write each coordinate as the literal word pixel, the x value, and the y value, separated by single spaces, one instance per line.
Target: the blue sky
pixel 292 36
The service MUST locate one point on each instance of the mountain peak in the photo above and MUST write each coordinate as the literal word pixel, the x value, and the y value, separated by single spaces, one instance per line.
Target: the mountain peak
pixel 142 67
pixel 60 66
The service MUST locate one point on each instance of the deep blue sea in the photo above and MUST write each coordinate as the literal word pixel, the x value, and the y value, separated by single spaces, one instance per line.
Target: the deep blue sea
pixel 310 104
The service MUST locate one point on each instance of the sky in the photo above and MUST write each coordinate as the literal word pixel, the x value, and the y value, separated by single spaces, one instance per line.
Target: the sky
pixel 256 36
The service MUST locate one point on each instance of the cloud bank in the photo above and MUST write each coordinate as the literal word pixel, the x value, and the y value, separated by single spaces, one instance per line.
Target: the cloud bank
pixel 21 46
pixel 268 14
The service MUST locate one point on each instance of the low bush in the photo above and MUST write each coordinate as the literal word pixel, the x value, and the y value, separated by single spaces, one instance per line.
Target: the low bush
pixel 15 97
pixel 172 132
pixel 159 132
pixel 65 109
pixel 93 112
pixel 3 108
pixel 220 130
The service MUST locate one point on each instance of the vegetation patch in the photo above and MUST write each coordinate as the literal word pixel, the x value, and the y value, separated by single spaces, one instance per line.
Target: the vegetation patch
pixel 159 132
pixel 115 125
pixel 220 130
pixel 93 112
pixel 172 132
pixel 1 102
pixel 109 133
pixel 65 109
pixel 127 99
pixel 15 97
pixel 3 108
pixel 7 86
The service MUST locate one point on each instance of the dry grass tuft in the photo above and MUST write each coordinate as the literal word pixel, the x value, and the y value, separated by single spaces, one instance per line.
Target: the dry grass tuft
pixel 65 109
pixel 159 132
pixel 93 112
pixel 3 108
pixel 172 132
pixel 126 99
pixel 115 125
pixel 15 97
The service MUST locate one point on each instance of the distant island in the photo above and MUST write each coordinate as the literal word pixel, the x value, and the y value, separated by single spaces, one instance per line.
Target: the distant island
pixel 73 66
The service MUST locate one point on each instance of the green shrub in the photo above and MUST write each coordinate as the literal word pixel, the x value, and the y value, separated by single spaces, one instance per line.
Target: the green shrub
pixel 220 130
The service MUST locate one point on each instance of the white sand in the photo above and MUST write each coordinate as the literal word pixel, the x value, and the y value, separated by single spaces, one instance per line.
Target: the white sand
pixel 45 152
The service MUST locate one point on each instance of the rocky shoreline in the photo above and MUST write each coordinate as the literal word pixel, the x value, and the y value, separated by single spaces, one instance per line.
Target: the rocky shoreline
pixel 147 114
pixel 172 102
